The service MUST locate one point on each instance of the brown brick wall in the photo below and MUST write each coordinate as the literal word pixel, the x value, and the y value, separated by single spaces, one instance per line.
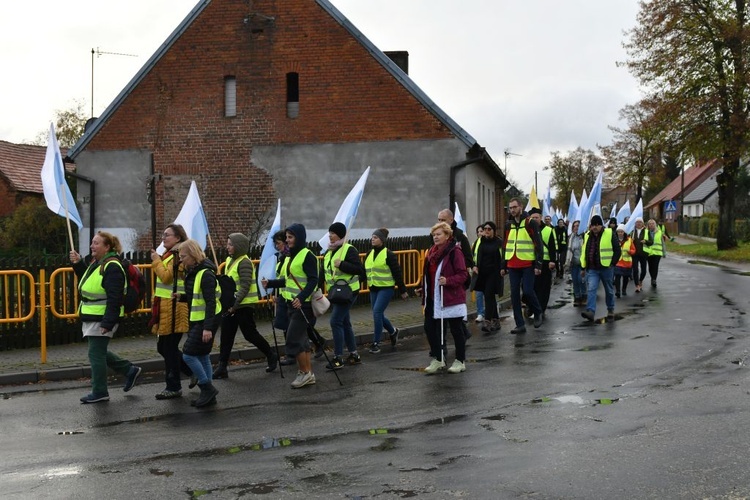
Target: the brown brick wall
pixel 177 111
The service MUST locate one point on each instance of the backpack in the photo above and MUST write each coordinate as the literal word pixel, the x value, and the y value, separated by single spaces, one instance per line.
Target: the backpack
pixel 136 285
pixel 228 288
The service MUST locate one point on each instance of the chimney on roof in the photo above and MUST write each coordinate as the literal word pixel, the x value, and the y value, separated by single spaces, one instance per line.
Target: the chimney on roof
pixel 401 58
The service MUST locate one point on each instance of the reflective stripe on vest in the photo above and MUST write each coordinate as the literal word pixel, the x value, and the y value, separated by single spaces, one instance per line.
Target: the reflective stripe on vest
pixel 626 260
pixel 234 273
pixel 293 267
pixel 378 272
pixel 546 232
pixel 164 290
pixel 198 304
pixel 657 249
pixel 605 248
pixel 519 243
pixel 333 273
pixel 93 295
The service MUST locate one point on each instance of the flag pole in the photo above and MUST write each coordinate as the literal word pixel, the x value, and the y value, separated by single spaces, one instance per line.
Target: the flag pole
pixel 67 219
pixel 213 252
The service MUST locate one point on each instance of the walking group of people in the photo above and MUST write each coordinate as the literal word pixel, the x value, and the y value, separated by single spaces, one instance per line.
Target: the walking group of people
pixel 188 296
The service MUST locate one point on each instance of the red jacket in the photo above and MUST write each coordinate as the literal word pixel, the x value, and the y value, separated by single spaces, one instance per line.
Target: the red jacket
pixel 454 270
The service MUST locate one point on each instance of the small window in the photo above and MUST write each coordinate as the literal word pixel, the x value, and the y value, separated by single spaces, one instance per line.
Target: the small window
pixel 292 95
pixel 230 96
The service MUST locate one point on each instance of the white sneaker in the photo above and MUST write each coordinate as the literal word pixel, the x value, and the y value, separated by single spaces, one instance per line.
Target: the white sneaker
pixel 303 379
pixel 435 365
pixel 479 319
pixel 457 367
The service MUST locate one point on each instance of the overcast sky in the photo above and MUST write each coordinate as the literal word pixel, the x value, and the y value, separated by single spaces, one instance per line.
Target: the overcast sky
pixel 532 76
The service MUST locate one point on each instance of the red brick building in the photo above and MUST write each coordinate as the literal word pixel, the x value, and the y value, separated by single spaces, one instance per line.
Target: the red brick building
pixel 271 99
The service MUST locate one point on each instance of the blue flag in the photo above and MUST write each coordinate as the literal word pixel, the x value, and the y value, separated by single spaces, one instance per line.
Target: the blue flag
pixel 56 191
pixel 267 265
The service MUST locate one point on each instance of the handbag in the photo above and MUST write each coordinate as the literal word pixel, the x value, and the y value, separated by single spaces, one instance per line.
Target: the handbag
pixel 340 292
pixel 318 301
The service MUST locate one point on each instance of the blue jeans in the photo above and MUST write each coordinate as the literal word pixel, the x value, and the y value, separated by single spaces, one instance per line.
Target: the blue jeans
pixel 480 302
pixel 579 288
pixel 200 366
pixel 341 328
pixel 522 277
pixel 380 298
pixel 607 277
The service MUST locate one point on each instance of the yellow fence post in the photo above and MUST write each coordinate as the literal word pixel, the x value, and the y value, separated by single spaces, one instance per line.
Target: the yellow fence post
pixel 43 312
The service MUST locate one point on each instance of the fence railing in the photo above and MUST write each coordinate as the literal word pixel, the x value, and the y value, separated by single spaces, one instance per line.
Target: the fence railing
pixel 42 310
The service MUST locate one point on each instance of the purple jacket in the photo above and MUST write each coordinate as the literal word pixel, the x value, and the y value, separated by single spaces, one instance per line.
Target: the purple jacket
pixel 454 270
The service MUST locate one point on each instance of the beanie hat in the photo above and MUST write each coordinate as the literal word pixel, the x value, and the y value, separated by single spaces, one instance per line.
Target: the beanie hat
pixel 597 221
pixel 381 233
pixel 535 211
pixel 621 227
pixel 613 221
pixel 338 229
pixel 639 219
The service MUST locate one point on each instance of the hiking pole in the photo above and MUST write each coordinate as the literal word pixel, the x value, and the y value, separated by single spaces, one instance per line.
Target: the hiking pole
pixel 335 372
pixel 273 329
pixel 443 349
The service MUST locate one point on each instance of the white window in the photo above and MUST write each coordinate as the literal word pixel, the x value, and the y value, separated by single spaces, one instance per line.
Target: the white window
pixel 230 96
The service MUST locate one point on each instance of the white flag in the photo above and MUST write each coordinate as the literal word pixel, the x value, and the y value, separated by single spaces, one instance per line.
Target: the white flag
pixel 56 191
pixel 459 219
pixel 348 211
pixel 267 265
pixel 623 212
pixel 637 212
pixel 192 219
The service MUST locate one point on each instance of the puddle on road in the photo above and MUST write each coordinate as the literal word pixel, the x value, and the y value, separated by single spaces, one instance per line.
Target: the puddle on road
pixel 241 490
pixel 575 399
pixel 161 472
pixel 601 347
pixel 387 444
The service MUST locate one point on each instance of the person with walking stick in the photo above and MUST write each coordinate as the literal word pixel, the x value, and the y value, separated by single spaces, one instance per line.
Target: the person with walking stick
pixel 297 281
pixel 444 298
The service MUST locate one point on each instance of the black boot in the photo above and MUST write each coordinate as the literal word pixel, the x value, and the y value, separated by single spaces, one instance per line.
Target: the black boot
pixel 207 395
pixel 220 371
pixel 273 362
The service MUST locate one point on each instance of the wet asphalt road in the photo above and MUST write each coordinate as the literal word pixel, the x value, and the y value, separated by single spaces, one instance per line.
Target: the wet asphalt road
pixel 652 405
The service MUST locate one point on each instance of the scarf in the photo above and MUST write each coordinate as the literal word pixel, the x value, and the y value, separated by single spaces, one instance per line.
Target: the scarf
pixel 436 252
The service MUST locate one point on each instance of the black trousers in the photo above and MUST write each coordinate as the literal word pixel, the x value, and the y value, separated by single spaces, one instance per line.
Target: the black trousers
pixel 639 268
pixel 244 320
pixel 168 347
pixel 543 285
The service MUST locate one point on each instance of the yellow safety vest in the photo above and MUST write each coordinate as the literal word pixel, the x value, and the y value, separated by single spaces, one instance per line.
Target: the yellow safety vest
pixel 198 304
pixel 606 254
pixel 657 248
pixel 626 260
pixel 93 295
pixel 293 267
pixel 233 272
pixel 164 290
pixel 378 272
pixel 546 232
pixel 519 243
pixel 333 274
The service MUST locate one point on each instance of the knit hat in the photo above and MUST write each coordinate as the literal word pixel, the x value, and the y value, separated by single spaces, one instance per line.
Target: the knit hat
pixel 621 227
pixel 338 229
pixel 381 233
pixel 596 221
pixel 534 210
pixel 637 219
pixel 612 221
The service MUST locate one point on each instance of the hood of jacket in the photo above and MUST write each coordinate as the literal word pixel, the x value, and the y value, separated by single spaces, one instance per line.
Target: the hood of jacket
pixel 241 244
pixel 300 236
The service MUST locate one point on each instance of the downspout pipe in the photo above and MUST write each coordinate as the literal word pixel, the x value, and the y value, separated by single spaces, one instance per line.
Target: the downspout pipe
pixel 92 203
pixel 453 173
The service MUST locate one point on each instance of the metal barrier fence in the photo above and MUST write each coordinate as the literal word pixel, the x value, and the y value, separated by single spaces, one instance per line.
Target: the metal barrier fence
pixel 33 305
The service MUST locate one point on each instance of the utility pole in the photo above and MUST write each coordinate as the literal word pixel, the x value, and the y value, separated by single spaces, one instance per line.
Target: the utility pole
pixel 99 53
pixel 503 217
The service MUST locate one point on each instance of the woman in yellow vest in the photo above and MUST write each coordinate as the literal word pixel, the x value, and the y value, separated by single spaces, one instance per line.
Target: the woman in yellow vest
pixel 240 315
pixel 297 280
pixel 383 274
pixel 101 285
pixel 624 267
pixel 341 262
pixel 202 295
pixel 654 247
pixel 169 318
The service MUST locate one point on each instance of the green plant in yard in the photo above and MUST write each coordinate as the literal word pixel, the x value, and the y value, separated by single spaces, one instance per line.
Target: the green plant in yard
pixel 708 250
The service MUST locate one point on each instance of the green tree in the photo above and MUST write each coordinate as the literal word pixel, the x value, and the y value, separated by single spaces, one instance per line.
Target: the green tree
pixel 692 57
pixel 573 172
pixel 34 230
pixel 69 126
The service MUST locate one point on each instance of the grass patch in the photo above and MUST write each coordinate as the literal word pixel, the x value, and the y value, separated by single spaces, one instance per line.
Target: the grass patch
pixel 708 250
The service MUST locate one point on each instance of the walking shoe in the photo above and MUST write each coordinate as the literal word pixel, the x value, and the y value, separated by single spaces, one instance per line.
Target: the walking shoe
pixel 193 381
pixel 653 283
pixel 273 362
pixel 336 363
pixel 588 314
pixel 487 326
pixel 353 359
pixel 94 398
pixel 132 377
pixel 617 294
pixel 518 330
pixel 457 367
pixel 496 325
pixel 167 394
pixel 287 361
pixel 394 337
pixel 624 293
pixel 220 371
pixel 638 288
pixel 375 348
pixel 538 320
pixel 434 366
pixel 479 318
pixel 207 396
pixel 303 379
pixel 611 314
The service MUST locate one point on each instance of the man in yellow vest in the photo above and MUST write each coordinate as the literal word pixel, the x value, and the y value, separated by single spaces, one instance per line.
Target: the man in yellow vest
pixel 543 282
pixel 523 261
pixel 599 254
